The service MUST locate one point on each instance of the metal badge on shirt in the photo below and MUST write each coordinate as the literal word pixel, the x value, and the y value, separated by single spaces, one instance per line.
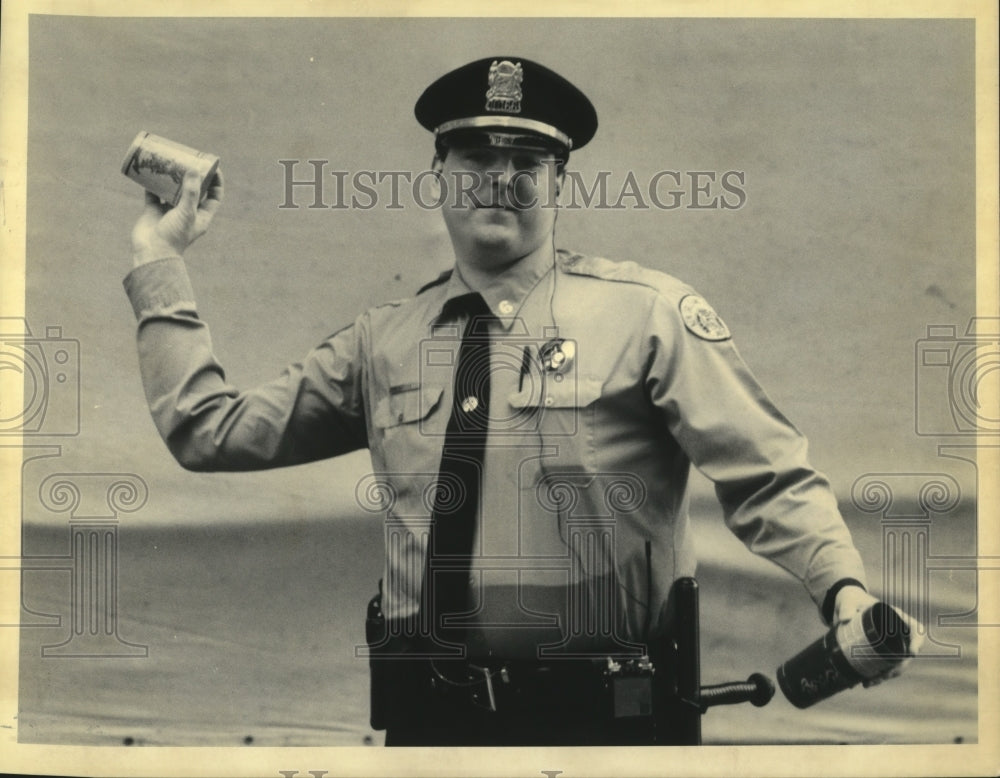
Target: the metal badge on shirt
pixel 701 319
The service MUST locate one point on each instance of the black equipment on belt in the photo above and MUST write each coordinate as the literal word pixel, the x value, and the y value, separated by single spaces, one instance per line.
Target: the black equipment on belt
pixel 662 695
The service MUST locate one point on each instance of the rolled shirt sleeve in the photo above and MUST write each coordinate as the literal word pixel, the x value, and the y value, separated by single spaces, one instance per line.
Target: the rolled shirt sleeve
pixel 313 410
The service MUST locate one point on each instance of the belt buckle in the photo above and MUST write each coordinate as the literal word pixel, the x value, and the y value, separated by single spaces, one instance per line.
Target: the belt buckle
pixel 491 700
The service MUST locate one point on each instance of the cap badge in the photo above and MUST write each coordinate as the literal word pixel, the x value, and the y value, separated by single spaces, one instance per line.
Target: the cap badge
pixel 504 93
pixel 702 320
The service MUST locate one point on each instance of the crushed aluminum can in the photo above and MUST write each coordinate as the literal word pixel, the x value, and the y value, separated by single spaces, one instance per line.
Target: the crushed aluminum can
pixel 158 165
pixel 870 644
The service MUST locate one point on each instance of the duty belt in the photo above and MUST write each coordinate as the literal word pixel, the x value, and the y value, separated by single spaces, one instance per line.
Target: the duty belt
pixel 621 687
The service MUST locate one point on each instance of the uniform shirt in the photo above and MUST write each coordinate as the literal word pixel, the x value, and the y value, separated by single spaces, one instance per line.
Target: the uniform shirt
pixel 583 523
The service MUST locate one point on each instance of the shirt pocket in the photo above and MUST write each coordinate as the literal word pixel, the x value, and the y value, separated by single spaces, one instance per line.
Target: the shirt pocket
pixel 562 413
pixel 408 403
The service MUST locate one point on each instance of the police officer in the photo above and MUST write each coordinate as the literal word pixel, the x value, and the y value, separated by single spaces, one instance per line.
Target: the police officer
pixel 532 416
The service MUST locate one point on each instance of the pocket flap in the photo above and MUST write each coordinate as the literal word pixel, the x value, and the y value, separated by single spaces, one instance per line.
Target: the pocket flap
pixel 558 394
pixel 405 404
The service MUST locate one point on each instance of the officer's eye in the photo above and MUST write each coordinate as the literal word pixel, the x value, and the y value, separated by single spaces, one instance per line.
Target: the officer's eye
pixel 478 158
pixel 533 162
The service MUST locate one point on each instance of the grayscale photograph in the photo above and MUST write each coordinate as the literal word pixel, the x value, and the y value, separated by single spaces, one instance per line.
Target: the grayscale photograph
pixel 504 383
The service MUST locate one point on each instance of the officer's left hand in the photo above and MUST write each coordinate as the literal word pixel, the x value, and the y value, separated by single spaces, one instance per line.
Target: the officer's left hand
pixel 163 231
pixel 852 600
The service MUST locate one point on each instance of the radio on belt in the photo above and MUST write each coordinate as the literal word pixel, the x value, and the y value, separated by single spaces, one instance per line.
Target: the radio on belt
pixel 159 165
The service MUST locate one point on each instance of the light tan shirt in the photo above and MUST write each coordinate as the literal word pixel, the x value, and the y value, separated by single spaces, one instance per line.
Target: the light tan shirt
pixel 583 524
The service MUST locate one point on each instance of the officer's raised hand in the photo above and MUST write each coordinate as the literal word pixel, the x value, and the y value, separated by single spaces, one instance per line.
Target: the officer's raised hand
pixel 163 231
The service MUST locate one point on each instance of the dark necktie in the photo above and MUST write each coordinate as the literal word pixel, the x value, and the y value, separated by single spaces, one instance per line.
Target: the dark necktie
pixel 456 499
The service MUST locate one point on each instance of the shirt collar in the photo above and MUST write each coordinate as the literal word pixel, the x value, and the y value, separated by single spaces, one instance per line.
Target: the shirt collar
pixel 505 296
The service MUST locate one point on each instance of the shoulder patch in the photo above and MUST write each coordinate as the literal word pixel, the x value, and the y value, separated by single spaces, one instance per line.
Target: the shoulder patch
pixel 701 319
pixel 436 282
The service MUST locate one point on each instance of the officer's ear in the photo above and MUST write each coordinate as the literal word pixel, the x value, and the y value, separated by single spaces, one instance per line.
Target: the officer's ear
pixel 440 153
pixel 561 158
pixel 559 170
pixel 437 164
pixel 437 186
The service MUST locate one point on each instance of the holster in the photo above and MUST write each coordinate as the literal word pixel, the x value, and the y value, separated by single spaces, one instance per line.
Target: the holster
pixel 375 637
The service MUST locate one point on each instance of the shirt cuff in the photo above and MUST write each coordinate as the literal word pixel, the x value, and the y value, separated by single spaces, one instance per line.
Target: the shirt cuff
pixel 158 287
pixel 831 596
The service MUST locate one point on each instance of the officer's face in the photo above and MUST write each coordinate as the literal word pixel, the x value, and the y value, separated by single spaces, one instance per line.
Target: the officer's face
pixel 500 203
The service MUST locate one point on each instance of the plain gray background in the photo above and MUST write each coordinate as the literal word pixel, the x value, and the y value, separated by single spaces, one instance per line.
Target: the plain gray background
pixel 856 139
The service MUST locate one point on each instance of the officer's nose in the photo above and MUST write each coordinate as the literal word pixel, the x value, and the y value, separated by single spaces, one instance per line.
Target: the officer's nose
pixel 515 187
pixel 503 175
